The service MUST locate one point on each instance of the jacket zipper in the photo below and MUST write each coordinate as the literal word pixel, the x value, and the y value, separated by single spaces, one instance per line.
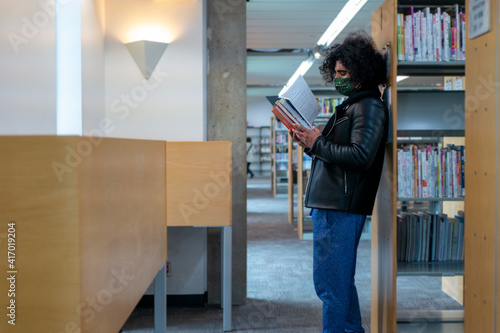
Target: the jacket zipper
pixel 345 182
pixel 341 120
pixel 310 177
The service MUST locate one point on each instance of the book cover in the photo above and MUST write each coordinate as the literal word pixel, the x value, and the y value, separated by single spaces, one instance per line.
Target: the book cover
pixel 299 103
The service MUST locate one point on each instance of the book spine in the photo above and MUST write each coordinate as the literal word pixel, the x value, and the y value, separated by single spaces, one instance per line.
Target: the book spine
pixel 438 34
pixel 430 40
pixel 416 36
pixel 423 36
pixel 276 111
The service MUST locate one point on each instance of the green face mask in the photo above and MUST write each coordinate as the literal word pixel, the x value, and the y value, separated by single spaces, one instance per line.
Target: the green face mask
pixel 343 86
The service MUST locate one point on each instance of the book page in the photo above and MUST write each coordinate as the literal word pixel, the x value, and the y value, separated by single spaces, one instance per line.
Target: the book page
pixel 303 99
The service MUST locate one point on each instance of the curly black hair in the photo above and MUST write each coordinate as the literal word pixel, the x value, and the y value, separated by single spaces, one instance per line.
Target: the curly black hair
pixel 358 54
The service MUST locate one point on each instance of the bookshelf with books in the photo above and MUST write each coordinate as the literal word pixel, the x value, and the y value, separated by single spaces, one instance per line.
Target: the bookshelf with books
pixel 421 203
pixel 430 220
pixel 260 136
pixel 279 156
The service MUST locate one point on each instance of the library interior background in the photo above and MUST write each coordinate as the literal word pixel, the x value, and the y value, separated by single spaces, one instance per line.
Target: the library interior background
pixel 141 158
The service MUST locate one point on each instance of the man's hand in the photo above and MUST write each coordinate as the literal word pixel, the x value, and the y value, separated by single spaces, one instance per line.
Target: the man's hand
pixel 304 137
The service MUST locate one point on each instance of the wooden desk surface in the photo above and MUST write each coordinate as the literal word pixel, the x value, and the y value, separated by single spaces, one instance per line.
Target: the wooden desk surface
pixel 90 229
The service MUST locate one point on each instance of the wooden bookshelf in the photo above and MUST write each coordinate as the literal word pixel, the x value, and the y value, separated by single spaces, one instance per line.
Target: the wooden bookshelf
pixel 482 269
pixel 384 262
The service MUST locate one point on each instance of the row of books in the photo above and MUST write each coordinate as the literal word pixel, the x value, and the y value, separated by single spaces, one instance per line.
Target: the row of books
pixel 425 236
pixel 328 105
pixel 281 157
pixel 432 34
pixel 281 138
pixel 431 172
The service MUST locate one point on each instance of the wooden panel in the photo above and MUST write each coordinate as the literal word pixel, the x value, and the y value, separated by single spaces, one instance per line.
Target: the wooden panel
pixel 480 179
pixel 300 192
pixel 87 213
pixel 290 179
pixel 123 233
pixel 383 309
pixel 198 183
pixel 495 23
pixel 45 210
pixel 453 285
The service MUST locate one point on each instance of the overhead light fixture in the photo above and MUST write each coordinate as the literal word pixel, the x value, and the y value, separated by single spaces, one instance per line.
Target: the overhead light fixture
pixel 345 16
pixel 303 68
pixel 146 55
pixel 318 50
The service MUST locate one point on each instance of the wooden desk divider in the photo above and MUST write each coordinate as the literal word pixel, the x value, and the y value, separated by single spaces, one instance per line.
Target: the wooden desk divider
pixel 89 221
pixel 199 193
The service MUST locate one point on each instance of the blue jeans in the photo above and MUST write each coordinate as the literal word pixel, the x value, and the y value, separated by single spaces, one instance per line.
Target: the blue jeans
pixel 336 237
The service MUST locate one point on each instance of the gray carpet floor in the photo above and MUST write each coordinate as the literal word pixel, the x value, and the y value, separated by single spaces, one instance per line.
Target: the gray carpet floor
pixel 281 296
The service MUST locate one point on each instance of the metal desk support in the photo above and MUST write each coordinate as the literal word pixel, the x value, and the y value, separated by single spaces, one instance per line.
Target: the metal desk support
pixel 160 306
pixel 226 277
pixel 160 300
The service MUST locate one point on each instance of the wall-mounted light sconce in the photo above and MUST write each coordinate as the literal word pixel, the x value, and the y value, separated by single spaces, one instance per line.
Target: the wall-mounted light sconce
pixel 146 55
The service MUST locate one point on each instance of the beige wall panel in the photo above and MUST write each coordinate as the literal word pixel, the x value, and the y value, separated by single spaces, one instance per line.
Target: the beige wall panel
pixel 47 242
pixel 480 177
pixel 198 183
pixel 383 309
pixel 123 233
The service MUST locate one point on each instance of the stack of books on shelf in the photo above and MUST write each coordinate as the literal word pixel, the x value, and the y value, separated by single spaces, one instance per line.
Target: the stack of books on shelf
pixel 281 157
pixel 282 138
pixel 431 172
pixel 432 34
pixel 424 237
pixel 328 105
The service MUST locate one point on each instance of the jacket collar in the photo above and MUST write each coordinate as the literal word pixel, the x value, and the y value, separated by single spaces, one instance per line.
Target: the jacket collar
pixel 359 95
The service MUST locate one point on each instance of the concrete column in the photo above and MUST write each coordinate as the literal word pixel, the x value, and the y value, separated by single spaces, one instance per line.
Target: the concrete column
pixel 226 121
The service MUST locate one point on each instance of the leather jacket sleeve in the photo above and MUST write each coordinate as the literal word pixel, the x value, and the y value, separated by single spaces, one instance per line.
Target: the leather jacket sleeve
pixel 367 129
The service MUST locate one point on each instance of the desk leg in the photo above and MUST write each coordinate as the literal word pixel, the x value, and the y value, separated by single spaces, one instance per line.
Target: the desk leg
pixel 160 307
pixel 226 277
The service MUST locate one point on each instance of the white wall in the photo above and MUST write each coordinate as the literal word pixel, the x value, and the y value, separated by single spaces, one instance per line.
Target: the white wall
pixel 28 90
pixel 93 96
pixel 28 68
pixel 170 105
pixel 259 112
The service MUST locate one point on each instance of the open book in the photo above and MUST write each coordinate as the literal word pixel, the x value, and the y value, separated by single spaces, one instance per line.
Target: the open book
pixel 297 105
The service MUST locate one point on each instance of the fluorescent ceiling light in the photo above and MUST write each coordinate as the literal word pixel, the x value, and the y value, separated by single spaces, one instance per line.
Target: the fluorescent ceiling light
pixel 345 16
pixel 401 78
pixel 303 68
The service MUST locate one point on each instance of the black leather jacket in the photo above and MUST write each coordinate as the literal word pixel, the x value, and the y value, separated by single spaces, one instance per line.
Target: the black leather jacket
pixel 349 156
